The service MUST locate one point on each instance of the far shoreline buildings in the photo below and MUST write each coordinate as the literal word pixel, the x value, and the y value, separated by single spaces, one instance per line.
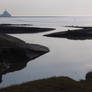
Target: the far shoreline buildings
pixel 5 14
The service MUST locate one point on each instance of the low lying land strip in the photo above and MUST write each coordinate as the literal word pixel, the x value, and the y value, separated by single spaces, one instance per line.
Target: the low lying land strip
pixel 19 28
pixel 76 34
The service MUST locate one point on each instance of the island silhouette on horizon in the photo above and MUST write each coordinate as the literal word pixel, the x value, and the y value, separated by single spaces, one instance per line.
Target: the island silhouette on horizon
pixel 5 14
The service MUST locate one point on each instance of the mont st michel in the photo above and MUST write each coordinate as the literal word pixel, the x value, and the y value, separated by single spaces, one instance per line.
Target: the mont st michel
pixel 5 14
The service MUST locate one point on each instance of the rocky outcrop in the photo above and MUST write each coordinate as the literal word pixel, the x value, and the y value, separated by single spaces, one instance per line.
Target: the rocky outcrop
pixel 89 76
pixel 18 28
pixel 78 34
pixel 15 53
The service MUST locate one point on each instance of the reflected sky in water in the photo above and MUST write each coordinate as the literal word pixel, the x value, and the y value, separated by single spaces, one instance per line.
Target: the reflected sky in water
pixel 71 58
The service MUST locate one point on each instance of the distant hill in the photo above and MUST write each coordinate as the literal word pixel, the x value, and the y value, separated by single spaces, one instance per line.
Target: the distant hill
pixel 5 14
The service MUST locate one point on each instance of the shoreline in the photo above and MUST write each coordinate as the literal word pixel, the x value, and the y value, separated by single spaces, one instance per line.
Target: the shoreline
pixel 22 28
pixel 53 84
pixel 84 33
pixel 16 53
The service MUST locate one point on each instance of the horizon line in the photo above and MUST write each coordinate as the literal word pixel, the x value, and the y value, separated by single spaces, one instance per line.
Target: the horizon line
pixel 52 16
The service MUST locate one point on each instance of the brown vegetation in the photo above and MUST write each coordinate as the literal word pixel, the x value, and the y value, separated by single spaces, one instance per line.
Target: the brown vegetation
pixel 55 84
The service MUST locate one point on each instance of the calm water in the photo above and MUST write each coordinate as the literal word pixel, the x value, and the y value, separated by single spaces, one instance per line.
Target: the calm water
pixel 72 58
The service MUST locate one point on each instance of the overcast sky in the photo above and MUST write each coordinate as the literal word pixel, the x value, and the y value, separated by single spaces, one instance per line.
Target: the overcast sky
pixel 47 7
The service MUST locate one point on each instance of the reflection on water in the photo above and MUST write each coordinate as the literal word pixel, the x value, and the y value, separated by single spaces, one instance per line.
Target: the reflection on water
pixel 15 59
pixel 66 58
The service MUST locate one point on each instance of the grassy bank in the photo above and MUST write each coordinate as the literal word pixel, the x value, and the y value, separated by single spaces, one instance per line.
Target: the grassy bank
pixel 55 84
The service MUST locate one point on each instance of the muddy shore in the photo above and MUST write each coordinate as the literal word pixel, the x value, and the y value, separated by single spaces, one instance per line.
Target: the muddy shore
pixel 83 33
pixel 22 28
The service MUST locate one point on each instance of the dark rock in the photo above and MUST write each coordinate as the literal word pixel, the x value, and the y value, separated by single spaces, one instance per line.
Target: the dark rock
pixel 89 76
pixel 15 53
pixel 78 34
pixel 18 28
pixel 5 14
